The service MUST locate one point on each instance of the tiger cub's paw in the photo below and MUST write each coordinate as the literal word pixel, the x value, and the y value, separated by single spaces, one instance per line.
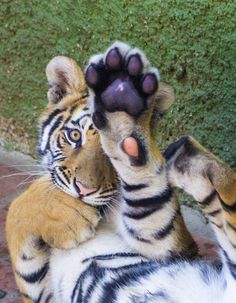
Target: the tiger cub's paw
pixel 69 224
pixel 121 80
pixel 122 86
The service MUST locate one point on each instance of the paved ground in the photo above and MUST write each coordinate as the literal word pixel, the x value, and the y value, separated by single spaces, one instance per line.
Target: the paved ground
pixel 14 172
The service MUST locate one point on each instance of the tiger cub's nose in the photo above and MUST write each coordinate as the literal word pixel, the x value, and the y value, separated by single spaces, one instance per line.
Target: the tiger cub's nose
pixel 85 190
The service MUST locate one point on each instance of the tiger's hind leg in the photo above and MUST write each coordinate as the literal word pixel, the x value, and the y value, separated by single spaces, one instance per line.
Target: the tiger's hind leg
pixel 125 98
pixel 213 184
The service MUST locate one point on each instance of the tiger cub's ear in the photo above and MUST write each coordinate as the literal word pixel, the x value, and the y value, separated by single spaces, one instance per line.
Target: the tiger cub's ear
pixel 64 77
pixel 165 97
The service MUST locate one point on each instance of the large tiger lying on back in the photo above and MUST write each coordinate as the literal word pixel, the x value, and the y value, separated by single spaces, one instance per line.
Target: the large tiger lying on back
pixel 136 255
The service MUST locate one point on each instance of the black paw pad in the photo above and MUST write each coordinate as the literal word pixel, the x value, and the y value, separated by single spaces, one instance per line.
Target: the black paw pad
pixel 135 65
pixel 122 96
pixel 91 76
pixel 114 60
pixel 149 84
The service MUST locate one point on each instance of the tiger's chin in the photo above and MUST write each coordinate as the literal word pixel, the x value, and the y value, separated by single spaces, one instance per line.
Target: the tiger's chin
pixel 93 197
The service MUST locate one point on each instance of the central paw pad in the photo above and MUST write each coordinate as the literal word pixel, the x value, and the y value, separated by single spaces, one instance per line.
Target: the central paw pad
pixel 122 95
pixel 121 81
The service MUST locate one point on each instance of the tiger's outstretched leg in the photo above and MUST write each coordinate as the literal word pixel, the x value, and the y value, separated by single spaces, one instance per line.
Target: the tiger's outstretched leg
pixel 213 184
pixel 126 97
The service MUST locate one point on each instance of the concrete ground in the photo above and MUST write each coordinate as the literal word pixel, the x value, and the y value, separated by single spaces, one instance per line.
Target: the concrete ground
pixel 15 170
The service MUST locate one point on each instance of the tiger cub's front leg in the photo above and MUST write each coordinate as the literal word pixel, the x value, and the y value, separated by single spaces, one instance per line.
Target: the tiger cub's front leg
pixel 125 100
pixel 39 219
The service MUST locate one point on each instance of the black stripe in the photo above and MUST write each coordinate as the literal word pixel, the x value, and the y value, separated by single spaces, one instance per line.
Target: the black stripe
pixel 50 118
pixel 214 213
pixel 80 118
pixel 207 201
pixel 35 300
pixel 105 196
pixel 92 286
pixel 160 199
pixel 40 297
pixel 79 295
pixel 73 108
pixel 61 159
pixel 58 142
pixel 106 191
pixel 125 278
pixel 37 276
pixel 54 127
pixel 67 120
pixel 227 207
pixel 129 187
pixel 62 170
pixel 220 226
pixel 173 147
pixel 231 265
pixel 112 256
pixel 141 215
pixel 26 258
pixel 60 179
pixel 56 153
pixel 164 232
pixel 135 234
pixel 234 245
pixel 48 298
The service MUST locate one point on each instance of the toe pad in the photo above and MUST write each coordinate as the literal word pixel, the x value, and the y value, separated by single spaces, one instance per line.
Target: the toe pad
pixel 130 147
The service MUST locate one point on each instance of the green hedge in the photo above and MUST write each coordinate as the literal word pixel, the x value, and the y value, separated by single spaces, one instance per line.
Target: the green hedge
pixel 192 42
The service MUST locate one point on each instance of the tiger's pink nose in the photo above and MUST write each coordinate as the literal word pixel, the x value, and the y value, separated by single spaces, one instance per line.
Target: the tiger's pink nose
pixel 84 190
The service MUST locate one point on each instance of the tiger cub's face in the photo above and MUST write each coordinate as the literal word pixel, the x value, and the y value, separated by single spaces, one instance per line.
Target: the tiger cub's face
pixel 69 145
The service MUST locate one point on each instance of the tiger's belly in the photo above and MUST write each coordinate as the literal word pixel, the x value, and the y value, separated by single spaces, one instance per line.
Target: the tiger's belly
pixel 67 265
pixel 104 269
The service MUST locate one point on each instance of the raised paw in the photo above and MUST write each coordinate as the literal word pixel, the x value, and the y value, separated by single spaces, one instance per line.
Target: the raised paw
pixel 126 99
pixel 121 80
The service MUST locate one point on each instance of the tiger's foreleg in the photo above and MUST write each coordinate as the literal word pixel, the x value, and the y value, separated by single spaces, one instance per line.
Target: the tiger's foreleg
pixel 37 220
pixel 124 96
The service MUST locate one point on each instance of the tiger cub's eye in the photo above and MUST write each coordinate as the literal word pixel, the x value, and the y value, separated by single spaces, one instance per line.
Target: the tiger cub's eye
pixel 74 135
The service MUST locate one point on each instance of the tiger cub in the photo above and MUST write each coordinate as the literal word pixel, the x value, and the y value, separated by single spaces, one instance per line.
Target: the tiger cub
pixel 50 213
